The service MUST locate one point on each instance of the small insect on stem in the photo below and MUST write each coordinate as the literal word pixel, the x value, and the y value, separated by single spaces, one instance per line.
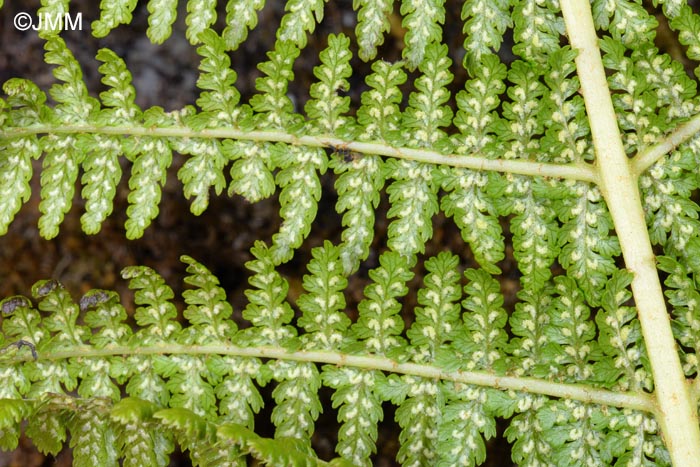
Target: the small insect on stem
pixel 347 154
pixel 22 343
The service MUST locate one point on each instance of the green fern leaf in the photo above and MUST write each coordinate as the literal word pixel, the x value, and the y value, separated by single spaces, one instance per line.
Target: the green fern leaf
pixel 208 311
pixel 157 317
pixel 140 442
pixel 379 114
pixel 372 24
pixel 201 14
pixel 119 98
pixel 572 347
pixel 621 338
pixel 683 295
pixel 106 316
pixel 476 105
pixel 12 412
pixel 148 174
pixel 421 19
pixel 112 14
pixel 483 341
pixel 418 417
pixel 358 186
pixel 240 17
pixel 627 21
pixel 92 438
pixel 297 401
pixel 326 107
pixel 538 27
pixel 485 23
pixel 161 19
pixel 74 103
pixel 205 169
pixel 587 250
pixel 47 425
pixel 437 319
pixel 427 111
pixel 301 17
pixel 219 102
pixel 25 106
pixel 687 23
pixel 274 108
pixel 526 433
pixel 379 326
pixel 359 409
pixel 323 303
pixel 239 398
pixel 268 308
pixel 301 190
pixel 413 198
pixel 474 212
pixel 251 173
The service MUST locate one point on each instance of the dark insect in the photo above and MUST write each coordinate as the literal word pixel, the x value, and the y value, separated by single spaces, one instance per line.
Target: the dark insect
pixel 47 287
pixel 10 304
pixel 347 155
pixel 92 299
pixel 22 343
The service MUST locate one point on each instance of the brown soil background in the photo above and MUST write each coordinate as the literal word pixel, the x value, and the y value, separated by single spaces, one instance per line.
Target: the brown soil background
pixel 221 237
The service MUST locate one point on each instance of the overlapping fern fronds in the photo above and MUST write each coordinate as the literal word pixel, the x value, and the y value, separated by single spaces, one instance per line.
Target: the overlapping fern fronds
pixel 510 158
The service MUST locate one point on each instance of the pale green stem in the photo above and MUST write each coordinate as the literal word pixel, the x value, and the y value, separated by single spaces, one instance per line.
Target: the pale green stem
pixel 580 392
pixel 676 414
pixel 646 158
pixel 574 171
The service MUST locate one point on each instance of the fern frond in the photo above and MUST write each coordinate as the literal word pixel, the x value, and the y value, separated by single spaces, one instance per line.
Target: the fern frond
pixel 378 327
pixel 138 441
pixel 323 303
pixel 274 108
pixel 483 339
pixel 687 23
pixel 358 186
pixel 572 348
pixel 240 17
pixel 538 27
pixel 588 251
pixel 157 315
pixel 202 171
pixel 268 308
pixel 219 101
pixel 485 22
pixel 372 24
pixel 379 114
pixel 301 190
pixel 251 173
pixel 627 21
pixel 15 173
pixel 436 321
pixel 297 401
pixel 421 19
pixel 359 409
pixel 161 19
pixel 208 311
pixel 201 14
pixel 684 296
pixel 326 108
pixel 301 17
pixel 112 14
pixel 621 338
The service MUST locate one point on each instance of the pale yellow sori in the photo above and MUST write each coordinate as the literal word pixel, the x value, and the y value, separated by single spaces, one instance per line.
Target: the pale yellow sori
pixel 675 411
